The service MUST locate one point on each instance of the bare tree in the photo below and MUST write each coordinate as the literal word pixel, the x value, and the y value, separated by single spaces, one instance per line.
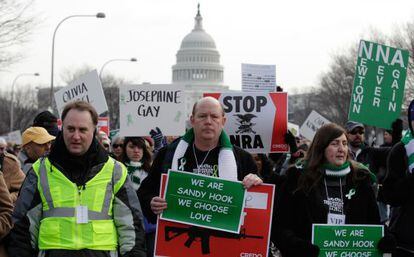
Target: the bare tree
pixel 24 106
pixel 15 27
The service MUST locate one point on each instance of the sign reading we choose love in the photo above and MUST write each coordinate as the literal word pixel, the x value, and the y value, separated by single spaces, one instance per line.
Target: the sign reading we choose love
pixel 204 201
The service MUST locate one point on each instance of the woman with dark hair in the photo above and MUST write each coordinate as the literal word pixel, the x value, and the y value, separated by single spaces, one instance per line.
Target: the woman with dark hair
pixel 137 159
pixel 325 187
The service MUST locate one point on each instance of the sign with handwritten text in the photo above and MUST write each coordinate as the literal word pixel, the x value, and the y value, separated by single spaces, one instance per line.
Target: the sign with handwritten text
pixel 145 107
pixel 87 88
pixel 204 201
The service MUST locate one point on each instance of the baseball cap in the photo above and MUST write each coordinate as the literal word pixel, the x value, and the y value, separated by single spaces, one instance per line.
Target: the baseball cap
pixel 38 135
pixel 351 125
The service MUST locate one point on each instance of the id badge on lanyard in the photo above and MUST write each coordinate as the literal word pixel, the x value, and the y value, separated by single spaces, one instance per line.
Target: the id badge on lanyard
pixel 82 214
pixel 336 219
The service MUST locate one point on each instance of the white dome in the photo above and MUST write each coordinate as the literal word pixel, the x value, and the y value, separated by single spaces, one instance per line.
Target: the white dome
pixel 198 59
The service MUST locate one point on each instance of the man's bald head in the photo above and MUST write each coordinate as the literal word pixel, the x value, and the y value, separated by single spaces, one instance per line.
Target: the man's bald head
pixel 207 99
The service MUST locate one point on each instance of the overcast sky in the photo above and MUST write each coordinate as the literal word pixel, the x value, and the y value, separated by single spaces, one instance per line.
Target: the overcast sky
pixel 299 37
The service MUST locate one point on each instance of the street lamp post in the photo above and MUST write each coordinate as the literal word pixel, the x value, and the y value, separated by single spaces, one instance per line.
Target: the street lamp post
pixel 12 96
pixel 133 59
pixel 98 15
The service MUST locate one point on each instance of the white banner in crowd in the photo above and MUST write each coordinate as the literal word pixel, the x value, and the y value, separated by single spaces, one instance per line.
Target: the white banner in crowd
pixel 258 78
pixel 256 122
pixel 15 137
pixel 312 124
pixel 87 88
pixel 145 107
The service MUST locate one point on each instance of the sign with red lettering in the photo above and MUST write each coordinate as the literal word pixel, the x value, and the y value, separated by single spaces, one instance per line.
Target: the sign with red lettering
pixel 176 240
pixel 256 122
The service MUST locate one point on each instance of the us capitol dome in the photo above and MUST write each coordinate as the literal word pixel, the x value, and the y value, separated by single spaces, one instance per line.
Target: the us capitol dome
pixel 198 65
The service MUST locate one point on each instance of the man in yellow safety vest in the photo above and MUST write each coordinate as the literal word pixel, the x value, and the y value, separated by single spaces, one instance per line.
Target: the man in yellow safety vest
pixel 77 201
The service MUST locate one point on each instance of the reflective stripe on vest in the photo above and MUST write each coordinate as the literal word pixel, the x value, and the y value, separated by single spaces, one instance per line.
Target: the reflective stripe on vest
pixel 70 212
pixel 60 197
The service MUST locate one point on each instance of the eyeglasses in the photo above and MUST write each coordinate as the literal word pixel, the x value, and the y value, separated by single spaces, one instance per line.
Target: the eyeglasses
pixel 117 145
pixel 105 145
pixel 361 132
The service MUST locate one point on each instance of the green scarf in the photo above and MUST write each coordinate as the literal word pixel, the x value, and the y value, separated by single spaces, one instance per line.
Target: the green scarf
pixel 337 171
pixel 408 142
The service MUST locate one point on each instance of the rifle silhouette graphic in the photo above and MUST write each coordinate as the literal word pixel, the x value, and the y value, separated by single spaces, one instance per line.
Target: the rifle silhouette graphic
pixel 204 235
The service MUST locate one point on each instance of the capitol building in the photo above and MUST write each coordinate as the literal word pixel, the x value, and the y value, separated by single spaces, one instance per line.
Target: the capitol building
pixel 198 66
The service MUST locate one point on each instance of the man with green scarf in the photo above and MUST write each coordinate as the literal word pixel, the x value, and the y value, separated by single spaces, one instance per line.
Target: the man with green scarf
pixel 205 149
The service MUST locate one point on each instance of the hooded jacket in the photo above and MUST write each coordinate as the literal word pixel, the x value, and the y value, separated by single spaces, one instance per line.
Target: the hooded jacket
pixel 79 170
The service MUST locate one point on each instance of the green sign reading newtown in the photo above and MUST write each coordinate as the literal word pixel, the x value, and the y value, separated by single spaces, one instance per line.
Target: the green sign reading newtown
pixel 347 240
pixel 378 84
pixel 204 201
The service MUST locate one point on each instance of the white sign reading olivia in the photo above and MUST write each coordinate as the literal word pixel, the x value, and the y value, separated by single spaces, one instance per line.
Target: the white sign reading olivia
pixel 312 124
pixel 145 107
pixel 256 122
pixel 87 88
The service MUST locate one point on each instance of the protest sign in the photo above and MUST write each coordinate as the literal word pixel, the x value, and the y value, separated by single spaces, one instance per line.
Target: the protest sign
pixel 258 78
pixel 145 107
pixel 347 240
pixel 204 201
pixel 378 84
pixel 312 123
pixel 294 129
pixel 175 240
pixel 256 122
pixel 103 125
pixel 15 137
pixel 87 88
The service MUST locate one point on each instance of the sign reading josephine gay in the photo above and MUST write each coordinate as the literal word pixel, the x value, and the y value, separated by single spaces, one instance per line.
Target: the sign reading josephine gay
pixel 87 88
pixel 378 84
pixel 176 240
pixel 204 201
pixel 347 240
pixel 256 122
pixel 145 107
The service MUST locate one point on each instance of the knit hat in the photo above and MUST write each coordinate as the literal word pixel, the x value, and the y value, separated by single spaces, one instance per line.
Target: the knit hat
pixel 48 121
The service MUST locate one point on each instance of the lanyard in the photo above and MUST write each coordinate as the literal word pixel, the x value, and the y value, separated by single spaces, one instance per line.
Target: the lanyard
pixel 195 156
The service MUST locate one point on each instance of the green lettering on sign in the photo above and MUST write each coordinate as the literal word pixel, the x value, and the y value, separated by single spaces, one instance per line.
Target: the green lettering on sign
pixel 378 84
pixel 347 240
pixel 204 201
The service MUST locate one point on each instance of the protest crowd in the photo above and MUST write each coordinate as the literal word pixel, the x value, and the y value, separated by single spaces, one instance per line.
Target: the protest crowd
pixel 71 188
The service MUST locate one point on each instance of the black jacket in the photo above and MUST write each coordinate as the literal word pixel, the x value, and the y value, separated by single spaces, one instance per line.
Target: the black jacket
pixel 398 191
pixel 295 212
pixel 150 187
pixel 27 213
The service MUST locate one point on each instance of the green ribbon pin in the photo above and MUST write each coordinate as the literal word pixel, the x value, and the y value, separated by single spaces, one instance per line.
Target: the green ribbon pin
pixel 350 194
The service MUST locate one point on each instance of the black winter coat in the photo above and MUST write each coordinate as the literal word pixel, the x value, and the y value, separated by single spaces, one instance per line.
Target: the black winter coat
pixel 398 191
pixel 295 212
pixel 150 187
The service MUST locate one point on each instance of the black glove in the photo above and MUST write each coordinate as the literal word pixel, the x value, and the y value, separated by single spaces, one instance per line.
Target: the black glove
pixel 159 140
pixel 397 128
pixel 387 243
pixel 291 141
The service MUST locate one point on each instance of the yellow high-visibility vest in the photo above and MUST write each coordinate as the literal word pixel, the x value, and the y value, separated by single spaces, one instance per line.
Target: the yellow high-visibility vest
pixel 60 226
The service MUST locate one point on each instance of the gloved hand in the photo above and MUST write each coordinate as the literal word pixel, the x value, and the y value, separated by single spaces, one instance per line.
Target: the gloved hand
pixel 291 141
pixel 387 243
pixel 397 128
pixel 159 140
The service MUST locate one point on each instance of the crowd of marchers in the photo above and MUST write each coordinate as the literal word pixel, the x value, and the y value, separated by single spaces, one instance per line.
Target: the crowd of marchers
pixel 76 192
